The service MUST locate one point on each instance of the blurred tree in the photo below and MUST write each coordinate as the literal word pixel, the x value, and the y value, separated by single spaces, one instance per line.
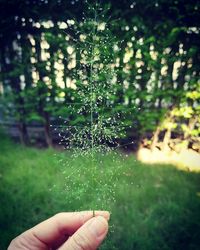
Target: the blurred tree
pixel 156 64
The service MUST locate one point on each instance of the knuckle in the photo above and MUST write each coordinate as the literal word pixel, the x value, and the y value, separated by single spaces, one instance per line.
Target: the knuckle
pixel 26 240
pixel 59 215
pixel 12 245
pixel 19 242
pixel 81 242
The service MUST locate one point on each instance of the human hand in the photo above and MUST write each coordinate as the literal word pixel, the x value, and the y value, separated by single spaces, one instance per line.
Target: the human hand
pixel 65 231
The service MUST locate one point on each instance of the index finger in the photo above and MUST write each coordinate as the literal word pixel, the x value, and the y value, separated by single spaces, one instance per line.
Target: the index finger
pixel 61 224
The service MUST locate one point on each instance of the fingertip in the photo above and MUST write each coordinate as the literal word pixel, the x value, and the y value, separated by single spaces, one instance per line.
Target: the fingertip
pixel 104 214
pixel 89 236
pixel 86 215
pixel 107 215
pixel 98 226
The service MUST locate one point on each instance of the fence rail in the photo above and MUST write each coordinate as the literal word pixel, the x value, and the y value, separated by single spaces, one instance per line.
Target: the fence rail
pixel 35 131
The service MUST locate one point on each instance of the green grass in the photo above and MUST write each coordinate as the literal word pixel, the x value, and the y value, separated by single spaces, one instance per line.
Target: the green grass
pixel 153 207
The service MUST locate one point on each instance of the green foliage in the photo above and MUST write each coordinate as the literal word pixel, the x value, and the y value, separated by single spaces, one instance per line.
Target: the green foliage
pixel 151 60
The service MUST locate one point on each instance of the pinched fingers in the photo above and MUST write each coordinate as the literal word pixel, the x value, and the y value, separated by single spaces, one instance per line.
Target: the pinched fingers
pixel 89 236
pixel 54 231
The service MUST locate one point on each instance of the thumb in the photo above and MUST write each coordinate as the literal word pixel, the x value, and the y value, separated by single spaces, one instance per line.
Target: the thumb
pixel 89 236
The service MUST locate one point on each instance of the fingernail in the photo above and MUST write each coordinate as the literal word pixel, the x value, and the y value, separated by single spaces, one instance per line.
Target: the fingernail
pixel 107 215
pixel 98 226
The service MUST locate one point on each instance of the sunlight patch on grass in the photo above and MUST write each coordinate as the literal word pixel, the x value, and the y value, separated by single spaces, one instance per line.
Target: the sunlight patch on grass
pixel 187 159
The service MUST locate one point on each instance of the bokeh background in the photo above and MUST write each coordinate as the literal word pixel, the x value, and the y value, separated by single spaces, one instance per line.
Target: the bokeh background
pixel 150 51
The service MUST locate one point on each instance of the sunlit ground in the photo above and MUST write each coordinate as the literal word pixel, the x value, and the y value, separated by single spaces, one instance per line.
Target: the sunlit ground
pixel 186 159
pixel 152 207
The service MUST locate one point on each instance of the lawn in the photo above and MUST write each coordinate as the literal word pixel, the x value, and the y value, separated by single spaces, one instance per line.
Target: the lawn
pixel 153 207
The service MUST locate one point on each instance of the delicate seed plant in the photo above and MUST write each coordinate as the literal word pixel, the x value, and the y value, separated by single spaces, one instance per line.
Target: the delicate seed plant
pixel 91 131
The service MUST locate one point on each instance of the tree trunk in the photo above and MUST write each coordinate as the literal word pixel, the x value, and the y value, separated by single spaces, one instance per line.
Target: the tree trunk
pixel 155 138
pixel 191 126
pixel 42 94
pixel 23 133
pixel 167 137
pixel 18 99
pixel 47 132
